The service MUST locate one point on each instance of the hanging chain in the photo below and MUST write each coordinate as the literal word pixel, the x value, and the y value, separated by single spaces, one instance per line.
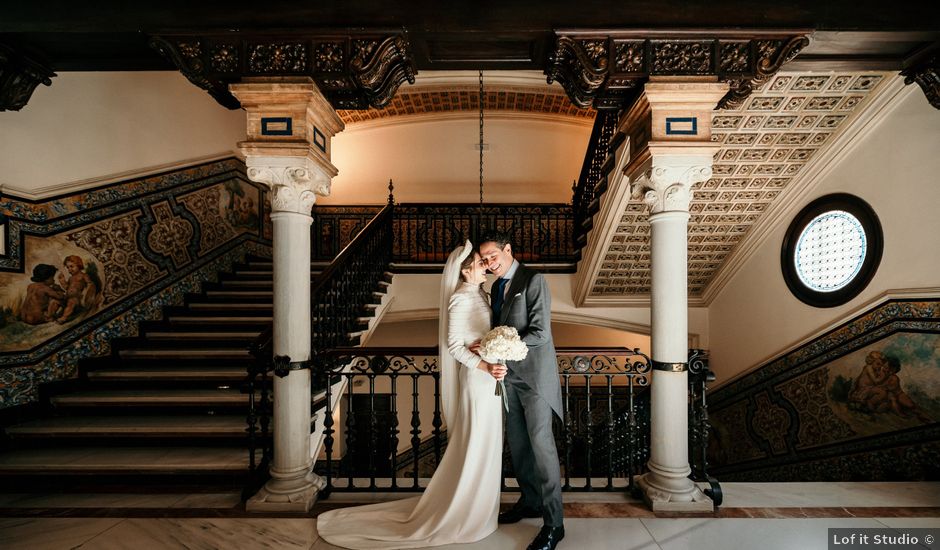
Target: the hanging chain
pixel 481 139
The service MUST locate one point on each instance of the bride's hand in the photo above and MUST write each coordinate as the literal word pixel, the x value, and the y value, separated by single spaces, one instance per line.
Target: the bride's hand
pixel 496 370
pixel 474 347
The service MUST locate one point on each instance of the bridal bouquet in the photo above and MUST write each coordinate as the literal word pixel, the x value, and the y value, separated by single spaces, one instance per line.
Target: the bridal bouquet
pixel 502 344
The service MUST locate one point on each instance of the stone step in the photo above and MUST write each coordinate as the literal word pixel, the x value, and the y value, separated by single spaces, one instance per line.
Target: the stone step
pixel 219 319
pixel 136 426
pixel 239 283
pixel 200 306
pixel 193 335
pixel 270 263
pixel 240 293
pixel 188 353
pixel 124 460
pixel 150 398
pixel 269 272
pixel 169 373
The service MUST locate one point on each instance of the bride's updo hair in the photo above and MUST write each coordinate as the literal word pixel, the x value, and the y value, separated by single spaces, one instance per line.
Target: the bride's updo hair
pixel 467 262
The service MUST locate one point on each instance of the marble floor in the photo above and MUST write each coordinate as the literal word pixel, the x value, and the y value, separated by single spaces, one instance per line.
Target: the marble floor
pixel 764 516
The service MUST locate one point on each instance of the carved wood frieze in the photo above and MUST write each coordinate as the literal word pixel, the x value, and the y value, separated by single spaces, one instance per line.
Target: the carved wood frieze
pixel 354 71
pixel 924 69
pixel 599 70
pixel 19 75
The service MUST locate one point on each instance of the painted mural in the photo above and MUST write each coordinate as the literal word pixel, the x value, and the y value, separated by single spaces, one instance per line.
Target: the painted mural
pixel 890 385
pixel 861 402
pixel 86 268
pixel 63 286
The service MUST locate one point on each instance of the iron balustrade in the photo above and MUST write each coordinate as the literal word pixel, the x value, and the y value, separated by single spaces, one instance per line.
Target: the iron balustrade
pixel 334 227
pixel 587 190
pixel 699 426
pixel 605 413
pixel 338 298
pixel 425 234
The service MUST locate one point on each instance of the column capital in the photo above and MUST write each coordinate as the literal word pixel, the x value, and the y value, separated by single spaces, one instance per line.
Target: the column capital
pixel 295 182
pixel 665 179
pixel 290 127
pixel 669 128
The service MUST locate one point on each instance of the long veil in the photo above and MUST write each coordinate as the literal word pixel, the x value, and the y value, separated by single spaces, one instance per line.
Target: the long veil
pixel 450 280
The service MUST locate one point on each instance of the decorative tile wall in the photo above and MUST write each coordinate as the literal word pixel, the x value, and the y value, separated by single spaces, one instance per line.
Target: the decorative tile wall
pixel 85 268
pixel 860 402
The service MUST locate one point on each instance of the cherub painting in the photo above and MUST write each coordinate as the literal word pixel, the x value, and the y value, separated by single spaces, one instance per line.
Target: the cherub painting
pixel 44 298
pixel 241 209
pixel 888 385
pixel 877 389
pixel 61 287
pixel 81 289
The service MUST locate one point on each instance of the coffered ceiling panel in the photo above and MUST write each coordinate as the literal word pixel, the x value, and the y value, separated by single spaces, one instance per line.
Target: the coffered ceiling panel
pixel 765 143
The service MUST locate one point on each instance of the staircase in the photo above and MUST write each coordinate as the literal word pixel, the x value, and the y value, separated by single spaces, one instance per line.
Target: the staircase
pixel 166 407
pixel 595 172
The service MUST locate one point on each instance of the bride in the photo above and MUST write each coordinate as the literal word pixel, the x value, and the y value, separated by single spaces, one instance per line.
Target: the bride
pixel 461 502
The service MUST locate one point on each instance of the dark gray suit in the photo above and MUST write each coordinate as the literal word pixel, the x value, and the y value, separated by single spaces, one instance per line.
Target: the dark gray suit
pixel 534 393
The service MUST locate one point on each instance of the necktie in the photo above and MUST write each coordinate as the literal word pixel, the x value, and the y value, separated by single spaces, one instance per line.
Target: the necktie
pixel 498 294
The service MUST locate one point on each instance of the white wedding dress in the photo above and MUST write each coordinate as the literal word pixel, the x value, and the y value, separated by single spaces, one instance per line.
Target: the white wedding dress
pixel 461 502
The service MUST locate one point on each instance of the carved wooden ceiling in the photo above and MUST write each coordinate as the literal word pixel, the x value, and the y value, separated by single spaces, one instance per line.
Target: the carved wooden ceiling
pixel 765 143
pixel 215 43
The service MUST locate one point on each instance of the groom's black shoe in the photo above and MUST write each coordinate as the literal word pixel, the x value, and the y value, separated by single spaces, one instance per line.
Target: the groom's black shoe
pixel 516 513
pixel 548 538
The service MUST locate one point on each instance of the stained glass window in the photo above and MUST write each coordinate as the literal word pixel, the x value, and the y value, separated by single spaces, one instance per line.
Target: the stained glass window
pixel 830 251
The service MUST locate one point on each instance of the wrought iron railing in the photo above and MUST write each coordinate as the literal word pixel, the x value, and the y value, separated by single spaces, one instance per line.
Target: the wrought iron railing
pixel 601 389
pixel 334 227
pixel 338 298
pixel 699 426
pixel 427 233
pixel 587 190
pixel 424 234
pixel 343 289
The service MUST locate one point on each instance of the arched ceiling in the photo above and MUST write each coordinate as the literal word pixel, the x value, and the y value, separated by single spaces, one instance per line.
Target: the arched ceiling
pixel 449 94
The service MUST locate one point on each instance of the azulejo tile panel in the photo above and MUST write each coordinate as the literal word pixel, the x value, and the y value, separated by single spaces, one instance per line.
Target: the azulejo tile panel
pixel 78 277
pixel 20 384
pixel 765 144
pixel 859 402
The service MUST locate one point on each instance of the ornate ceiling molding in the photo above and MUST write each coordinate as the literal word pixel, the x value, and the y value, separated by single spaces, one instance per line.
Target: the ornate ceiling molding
pixel 449 101
pixel 924 69
pixel 20 73
pixel 355 70
pixel 604 69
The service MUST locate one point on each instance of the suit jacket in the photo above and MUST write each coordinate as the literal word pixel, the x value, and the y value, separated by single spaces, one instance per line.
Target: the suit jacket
pixel 527 307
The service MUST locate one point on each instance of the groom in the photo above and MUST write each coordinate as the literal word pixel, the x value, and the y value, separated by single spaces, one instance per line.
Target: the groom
pixel 520 298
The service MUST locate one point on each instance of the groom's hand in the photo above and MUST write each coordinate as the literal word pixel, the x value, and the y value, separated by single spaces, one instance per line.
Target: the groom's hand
pixel 496 370
pixel 475 347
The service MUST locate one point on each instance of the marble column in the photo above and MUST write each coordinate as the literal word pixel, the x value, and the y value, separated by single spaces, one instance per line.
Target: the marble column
pixel 674 153
pixel 290 125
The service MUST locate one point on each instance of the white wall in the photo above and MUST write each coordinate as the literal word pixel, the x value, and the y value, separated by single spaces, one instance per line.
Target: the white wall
pixel 416 297
pixel 423 332
pixel 896 169
pixel 529 160
pixel 95 125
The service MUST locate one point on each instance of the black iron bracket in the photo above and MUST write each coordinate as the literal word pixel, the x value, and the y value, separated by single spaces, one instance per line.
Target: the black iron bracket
pixel 283 366
pixel 669 367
